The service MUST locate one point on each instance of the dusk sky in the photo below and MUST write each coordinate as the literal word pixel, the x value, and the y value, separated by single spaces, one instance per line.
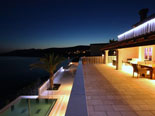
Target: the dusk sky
pixel 61 23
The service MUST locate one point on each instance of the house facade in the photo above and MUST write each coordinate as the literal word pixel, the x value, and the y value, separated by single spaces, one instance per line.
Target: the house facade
pixel 135 45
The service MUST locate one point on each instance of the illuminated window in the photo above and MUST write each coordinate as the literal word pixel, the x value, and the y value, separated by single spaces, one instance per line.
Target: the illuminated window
pixel 148 54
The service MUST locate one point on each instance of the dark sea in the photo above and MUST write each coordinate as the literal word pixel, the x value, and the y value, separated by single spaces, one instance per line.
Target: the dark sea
pixel 15 73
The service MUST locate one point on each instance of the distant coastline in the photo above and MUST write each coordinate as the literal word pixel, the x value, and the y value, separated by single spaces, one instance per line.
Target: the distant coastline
pixel 65 52
pixel 16 77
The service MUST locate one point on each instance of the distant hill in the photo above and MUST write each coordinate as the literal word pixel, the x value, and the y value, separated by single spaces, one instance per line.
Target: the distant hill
pixel 66 52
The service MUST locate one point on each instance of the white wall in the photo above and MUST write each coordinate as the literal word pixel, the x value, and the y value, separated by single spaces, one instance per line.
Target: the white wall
pixel 141 53
pixel 130 53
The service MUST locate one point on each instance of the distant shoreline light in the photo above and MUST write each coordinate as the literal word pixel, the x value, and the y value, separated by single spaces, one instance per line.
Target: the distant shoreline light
pixel 144 28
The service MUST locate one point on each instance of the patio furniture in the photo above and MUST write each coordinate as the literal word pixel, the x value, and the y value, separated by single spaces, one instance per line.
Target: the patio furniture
pixel 151 67
pixel 148 62
pixel 114 62
pixel 140 71
pixel 140 62
pixel 129 59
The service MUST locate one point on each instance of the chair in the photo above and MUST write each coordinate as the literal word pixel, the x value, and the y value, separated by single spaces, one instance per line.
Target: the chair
pixel 140 71
pixel 114 62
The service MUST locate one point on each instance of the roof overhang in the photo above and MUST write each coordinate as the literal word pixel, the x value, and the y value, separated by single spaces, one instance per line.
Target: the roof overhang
pixel 145 28
pixel 143 40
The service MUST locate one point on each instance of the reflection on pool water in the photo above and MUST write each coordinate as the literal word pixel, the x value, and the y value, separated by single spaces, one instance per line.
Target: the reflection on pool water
pixel 30 107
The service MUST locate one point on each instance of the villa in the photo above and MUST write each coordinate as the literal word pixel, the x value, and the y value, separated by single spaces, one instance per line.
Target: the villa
pixel 103 85
pixel 136 46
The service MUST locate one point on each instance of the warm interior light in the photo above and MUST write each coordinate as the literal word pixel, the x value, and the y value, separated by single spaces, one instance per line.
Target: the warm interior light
pixel 128 69
pixel 135 60
pixel 148 72
pixel 110 64
pixel 102 54
pixel 152 82
pixel 135 74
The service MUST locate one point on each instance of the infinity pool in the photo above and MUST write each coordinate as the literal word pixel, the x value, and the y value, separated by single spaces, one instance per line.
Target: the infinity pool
pixel 30 107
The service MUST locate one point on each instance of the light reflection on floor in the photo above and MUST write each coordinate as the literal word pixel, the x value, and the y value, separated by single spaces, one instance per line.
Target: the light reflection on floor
pixel 65 78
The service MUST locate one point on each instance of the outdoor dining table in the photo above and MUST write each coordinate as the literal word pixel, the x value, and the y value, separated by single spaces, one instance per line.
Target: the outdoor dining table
pixel 151 67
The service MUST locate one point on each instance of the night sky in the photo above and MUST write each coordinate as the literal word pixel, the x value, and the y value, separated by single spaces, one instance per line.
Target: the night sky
pixel 60 23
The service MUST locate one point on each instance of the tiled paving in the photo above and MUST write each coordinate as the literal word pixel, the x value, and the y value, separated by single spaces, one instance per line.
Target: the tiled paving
pixel 110 92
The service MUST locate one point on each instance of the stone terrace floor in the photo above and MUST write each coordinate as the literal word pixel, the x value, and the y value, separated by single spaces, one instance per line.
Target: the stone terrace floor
pixel 110 92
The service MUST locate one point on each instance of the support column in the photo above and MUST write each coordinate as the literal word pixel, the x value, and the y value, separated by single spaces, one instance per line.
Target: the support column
pixel 119 59
pixel 106 57
pixel 141 53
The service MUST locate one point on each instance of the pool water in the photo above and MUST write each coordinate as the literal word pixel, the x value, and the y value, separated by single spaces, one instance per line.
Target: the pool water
pixel 30 107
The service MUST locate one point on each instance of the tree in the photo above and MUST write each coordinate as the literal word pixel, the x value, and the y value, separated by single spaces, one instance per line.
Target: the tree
pixel 48 63
pixel 112 40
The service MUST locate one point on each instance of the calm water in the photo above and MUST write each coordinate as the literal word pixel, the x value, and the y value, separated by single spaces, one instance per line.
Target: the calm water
pixel 40 108
pixel 15 73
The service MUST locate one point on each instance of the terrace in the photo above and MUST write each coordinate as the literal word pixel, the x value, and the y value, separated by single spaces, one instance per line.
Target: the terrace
pixel 48 102
pixel 111 92
pixel 64 77
pixel 138 45
pixel 105 90
pixel 101 90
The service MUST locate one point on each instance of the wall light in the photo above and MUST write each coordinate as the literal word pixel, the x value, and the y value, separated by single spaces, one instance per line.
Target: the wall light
pixel 148 72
